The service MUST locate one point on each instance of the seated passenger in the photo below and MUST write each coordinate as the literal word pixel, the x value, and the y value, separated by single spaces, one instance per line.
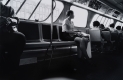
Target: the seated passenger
pixel 111 27
pixel 101 27
pixel 10 42
pixel 119 40
pixel 96 25
pixel 68 34
pixel 119 29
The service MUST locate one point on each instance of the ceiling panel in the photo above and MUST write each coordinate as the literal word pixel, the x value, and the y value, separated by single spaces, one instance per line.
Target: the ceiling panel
pixel 118 4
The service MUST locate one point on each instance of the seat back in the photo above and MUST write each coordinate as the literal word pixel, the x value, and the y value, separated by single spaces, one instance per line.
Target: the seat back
pixel 114 36
pixel 30 30
pixel 106 35
pixel 46 32
pixel 95 35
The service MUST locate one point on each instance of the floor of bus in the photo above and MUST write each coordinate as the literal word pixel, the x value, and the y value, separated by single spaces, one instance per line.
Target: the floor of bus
pixel 106 66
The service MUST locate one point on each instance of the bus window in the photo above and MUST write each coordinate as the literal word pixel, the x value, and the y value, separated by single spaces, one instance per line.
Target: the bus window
pixel 27 8
pixel 110 21
pixel 118 24
pixel 102 20
pixel 99 18
pixel 94 19
pixel 15 4
pixel 44 10
pixel 80 16
pixel 105 22
pixel 122 25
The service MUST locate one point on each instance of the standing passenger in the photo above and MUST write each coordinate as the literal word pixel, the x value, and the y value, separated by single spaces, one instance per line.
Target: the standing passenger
pixel 10 42
pixel 68 34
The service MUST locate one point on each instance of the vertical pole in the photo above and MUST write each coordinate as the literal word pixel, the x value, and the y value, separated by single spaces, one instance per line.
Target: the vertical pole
pixel 51 32
pixel 51 21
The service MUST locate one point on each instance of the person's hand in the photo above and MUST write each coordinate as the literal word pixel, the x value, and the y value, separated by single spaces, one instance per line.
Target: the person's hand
pixel 13 20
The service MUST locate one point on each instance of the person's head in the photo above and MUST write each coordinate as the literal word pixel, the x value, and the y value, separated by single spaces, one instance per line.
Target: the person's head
pixel 102 26
pixel 70 14
pixel 96 23
pixel 112 25
pixel 1 2
pixel 118 27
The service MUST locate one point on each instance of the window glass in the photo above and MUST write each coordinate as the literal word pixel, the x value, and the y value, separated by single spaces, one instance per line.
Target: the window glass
pixel 94 19
pixel 44 9
pixel 117 24
pixel 99 18
pixel 102 20
pixel 122 25
pixel 15 4
pixel 80 16
pixel 27 8
pixel 105 22
pixel 110 21
pixel 4 1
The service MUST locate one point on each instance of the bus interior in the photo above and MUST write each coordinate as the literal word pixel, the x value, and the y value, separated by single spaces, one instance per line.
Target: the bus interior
pixel 47 57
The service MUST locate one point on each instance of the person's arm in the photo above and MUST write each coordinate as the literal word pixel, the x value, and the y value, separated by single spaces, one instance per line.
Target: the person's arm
pixel 84 34
pixel 13 17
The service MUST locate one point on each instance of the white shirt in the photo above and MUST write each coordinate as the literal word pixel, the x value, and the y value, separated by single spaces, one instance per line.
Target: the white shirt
pixel 111 29
pixel 67 25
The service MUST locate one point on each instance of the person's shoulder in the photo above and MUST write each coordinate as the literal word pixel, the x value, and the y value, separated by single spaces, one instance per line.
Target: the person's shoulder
pixel 65 21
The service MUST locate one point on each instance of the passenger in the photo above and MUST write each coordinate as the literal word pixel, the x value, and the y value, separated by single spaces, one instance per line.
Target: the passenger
pixel 119 40
pixel 10 42
pixel 111 27
pixel 96 25
pixel 101 27
pixel 119 29
pixel 69 34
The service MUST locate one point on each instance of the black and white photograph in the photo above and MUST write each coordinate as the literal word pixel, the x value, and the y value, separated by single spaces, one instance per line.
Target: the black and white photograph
pixel 61 39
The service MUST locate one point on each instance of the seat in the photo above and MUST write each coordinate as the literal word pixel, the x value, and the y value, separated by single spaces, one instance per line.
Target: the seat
pixel 32 34
pixel 114 36
pixel 106 35
pixel 30 30
pixel 96 40
pixel 46 33
pixel 95 35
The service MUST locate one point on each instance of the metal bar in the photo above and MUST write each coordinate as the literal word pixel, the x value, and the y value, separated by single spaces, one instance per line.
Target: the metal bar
pixel 51 32
pixel 35 9
pixel 20 6
pixel 7 2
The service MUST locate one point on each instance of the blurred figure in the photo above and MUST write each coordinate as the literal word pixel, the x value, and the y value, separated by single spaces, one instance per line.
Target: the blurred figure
pixel 101 27
pixel 11 42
